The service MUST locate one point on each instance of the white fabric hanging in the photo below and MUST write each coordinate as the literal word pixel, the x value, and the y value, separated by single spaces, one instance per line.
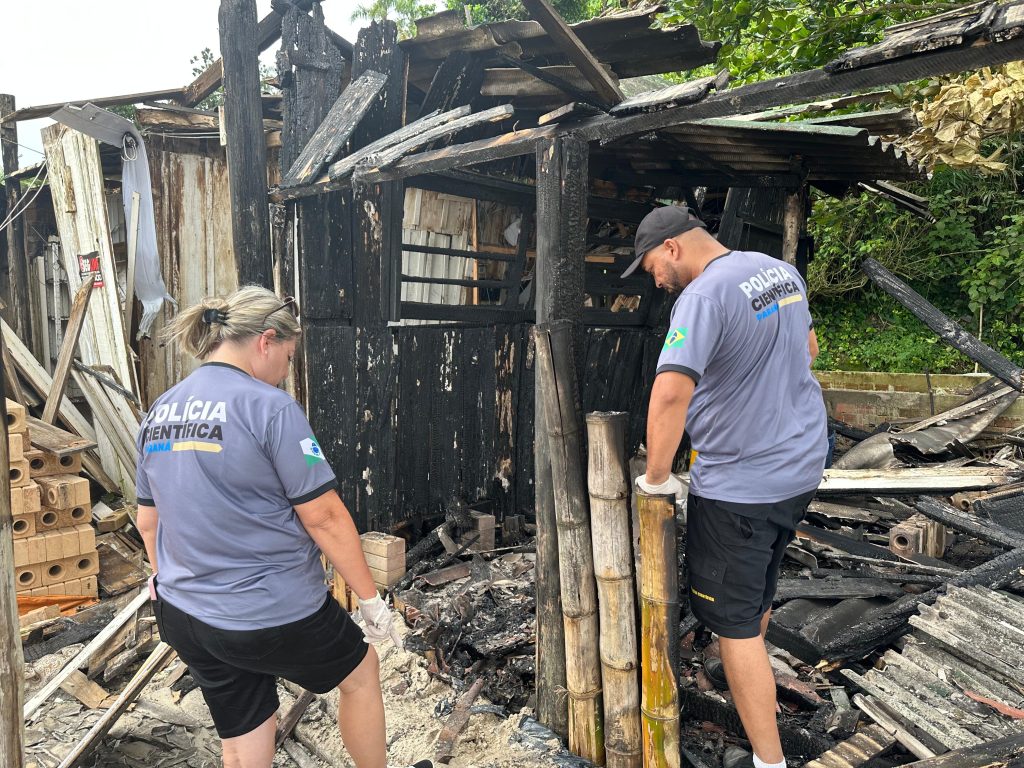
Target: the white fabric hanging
pixel 115 130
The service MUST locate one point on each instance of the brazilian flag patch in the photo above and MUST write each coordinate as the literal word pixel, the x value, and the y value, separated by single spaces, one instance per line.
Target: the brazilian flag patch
pixel 675 339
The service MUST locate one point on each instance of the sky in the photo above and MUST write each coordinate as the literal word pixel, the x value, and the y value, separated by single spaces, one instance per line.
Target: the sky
pixel 63 50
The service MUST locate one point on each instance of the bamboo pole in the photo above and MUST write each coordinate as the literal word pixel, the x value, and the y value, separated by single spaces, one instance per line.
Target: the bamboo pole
pixel 659 631
pixel 552 708
pixel 556 370
pixel 608 484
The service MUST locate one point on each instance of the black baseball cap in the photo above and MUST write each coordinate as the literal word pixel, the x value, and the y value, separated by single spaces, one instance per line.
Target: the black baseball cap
pixel 660 225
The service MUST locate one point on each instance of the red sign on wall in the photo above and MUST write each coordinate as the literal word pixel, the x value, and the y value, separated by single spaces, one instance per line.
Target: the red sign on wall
pixel 89 264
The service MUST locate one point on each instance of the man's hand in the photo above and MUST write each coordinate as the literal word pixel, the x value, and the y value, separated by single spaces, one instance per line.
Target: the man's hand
pixel 673 486
pixel 377 622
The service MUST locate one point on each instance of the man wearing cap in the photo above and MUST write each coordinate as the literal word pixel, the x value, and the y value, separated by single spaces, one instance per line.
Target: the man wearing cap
pixel 735 373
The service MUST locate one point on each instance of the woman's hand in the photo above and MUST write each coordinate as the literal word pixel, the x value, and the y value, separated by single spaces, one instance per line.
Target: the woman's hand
pixel 378 623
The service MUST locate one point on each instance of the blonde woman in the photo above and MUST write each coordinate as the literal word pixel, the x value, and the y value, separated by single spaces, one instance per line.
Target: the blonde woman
pixel 236 503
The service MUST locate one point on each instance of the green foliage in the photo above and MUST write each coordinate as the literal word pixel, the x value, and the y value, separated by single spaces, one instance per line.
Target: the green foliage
pixel 501 10
pixel 969 263
pixel 767 38
pixel 402 12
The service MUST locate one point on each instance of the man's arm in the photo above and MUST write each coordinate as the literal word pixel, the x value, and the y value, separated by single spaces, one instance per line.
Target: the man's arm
pixel 666 421
pixel 146 521
pixel 328 523
pixel 812 344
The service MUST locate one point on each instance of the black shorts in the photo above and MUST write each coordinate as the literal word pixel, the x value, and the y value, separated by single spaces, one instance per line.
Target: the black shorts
pixel 733 554
pixel 238 670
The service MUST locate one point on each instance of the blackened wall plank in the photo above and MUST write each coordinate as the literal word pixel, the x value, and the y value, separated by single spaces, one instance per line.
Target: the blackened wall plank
pixel 376 257
pixel 312 73
pixel 246 147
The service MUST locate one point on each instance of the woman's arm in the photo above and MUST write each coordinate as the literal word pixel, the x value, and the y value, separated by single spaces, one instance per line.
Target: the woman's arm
pixel 146 521
pixel 328 523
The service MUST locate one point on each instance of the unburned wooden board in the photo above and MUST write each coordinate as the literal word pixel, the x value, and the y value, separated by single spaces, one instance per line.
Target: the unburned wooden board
pixel 55 440
pixel 117 574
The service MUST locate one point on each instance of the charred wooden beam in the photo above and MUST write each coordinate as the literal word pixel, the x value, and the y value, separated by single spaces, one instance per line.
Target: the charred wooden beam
pixel 246 149
pixel 575 50
pixel 393 154
pixel 999 753
pixel 886 624
pixel 559 295
pixel 947 330
pixel 456 83
pixel 493 82
pixel 972 525
pixel 755 96
pixel 45 110
pixel 336 129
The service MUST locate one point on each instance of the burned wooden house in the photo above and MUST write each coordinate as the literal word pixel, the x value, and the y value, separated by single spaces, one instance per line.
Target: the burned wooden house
pixel 431 200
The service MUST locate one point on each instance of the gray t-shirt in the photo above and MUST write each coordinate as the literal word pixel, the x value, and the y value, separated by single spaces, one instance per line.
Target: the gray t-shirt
pixel 757 418
pixel 224 457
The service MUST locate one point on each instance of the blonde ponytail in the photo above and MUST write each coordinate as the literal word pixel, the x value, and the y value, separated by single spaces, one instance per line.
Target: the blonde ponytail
pixel 247 312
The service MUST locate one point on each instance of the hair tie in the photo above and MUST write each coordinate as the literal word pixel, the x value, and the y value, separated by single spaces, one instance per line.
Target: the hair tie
pixel 211 316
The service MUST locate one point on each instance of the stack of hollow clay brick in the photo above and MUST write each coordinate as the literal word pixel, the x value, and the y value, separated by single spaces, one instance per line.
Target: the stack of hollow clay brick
pixel 385 554
pixel 54 542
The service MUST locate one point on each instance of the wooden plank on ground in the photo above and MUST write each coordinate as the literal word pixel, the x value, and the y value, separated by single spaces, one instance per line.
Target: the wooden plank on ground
pixel 67 349
pixel 90 693
pixel 575 50
pixel 117 574
pixel 160 656
pixel 336 129
pixel 83 656
pixel 913 480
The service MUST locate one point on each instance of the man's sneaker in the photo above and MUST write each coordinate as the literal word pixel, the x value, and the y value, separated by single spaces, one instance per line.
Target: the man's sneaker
pixel 737 758
pixel 423 764
pixel 716 673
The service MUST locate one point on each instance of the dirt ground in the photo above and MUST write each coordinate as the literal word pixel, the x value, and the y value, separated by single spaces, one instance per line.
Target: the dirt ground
pixel 166 729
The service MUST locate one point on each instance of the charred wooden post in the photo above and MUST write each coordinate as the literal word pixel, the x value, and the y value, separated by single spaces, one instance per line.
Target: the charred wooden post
pixel 608 483
pixel 11 671
pixel 946 329
pixel 15 269
pixel 561 246
pixel 246 149
pixel 794 223
pixel 312 73
pixel 659 623
pixel 559 399
pixel 376 229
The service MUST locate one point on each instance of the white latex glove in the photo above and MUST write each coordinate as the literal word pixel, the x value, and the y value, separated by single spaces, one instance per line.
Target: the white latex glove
pixel 673 486
pixel 377 622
